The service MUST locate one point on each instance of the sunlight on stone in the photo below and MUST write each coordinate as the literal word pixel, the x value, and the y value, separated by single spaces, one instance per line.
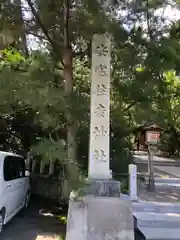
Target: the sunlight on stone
pixel 45 214
pixel 174 198
pixel 164 176
pixel 173 214
pixel 46 237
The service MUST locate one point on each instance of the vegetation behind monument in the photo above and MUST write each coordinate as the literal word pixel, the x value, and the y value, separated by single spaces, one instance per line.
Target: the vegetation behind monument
pixel 35 104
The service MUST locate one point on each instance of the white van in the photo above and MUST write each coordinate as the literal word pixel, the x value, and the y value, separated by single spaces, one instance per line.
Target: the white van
pixel 14 186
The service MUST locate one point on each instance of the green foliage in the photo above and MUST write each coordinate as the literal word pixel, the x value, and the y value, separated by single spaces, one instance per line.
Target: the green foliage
pixel 145 82
pixel 50 150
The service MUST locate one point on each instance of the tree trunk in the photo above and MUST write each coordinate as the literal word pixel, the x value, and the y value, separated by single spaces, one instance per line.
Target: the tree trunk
pixel 68 76
pixel 20 22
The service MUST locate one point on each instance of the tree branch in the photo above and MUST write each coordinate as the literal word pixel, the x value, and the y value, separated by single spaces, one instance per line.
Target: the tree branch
pixel 114 68
pixel 45 31
pixel 148 21
pixel 66 24
pixel 134 102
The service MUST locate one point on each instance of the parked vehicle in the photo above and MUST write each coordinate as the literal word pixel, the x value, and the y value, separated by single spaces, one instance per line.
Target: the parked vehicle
pixel 14 186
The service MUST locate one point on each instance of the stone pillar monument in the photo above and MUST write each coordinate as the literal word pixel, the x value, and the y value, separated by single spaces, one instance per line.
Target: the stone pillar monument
pixel 100 214
pixel 99 158
pixel 100 108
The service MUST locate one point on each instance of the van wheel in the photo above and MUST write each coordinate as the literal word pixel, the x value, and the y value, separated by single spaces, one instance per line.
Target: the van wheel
pixel 1 222
pixel 27 200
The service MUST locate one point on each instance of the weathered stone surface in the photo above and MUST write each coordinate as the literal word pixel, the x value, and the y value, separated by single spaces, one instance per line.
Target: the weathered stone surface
pixel 133 182
pixel 103 188
pixel 100 218
pixel 76 225
pixel 100 108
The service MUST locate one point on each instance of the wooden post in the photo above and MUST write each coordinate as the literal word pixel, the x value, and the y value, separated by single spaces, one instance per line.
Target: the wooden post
pixel 151 168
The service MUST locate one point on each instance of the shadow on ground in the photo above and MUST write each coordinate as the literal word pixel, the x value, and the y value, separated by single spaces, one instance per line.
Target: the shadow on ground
pixel 44 219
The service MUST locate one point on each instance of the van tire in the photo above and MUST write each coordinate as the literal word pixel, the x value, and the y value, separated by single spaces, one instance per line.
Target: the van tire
pixel 27 200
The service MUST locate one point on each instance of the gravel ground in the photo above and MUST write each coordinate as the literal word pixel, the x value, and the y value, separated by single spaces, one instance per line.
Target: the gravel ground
pixel 38 222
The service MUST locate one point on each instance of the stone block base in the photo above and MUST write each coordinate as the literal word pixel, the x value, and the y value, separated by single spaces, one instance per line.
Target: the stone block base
pixel 100 218
pixel 103 188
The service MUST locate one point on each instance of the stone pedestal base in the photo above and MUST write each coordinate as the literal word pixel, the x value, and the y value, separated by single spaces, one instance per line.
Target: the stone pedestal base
pixel 100 218
pixel 103 188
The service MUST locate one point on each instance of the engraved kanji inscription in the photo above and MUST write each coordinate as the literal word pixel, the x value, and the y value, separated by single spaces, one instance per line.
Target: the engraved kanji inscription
pixel 102 90
pixel 99 155
pixel 100 111
pixel 101 50
pixel 100 131
pixel 102 70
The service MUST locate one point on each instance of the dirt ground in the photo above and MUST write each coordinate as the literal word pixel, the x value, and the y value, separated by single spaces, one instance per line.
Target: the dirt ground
pixel 43 220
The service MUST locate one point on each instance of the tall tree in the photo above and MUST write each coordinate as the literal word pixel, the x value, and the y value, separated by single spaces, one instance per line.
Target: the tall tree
pixel 144 49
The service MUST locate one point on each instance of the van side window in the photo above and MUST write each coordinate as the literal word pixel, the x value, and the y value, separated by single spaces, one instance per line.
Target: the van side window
pixel 14 168
pixel 8 171
pixel 21 167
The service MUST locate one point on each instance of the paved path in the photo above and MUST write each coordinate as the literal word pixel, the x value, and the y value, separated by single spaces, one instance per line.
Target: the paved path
pixel 157 158
pixel 164 168
pixel 37 223
pixel 158 220
pixel 162 193
pixel 171 170
pixel 167 180
pixel 158 213
pixel 161 161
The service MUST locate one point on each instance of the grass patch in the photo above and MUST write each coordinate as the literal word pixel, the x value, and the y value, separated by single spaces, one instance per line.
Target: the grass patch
pixel 62 219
